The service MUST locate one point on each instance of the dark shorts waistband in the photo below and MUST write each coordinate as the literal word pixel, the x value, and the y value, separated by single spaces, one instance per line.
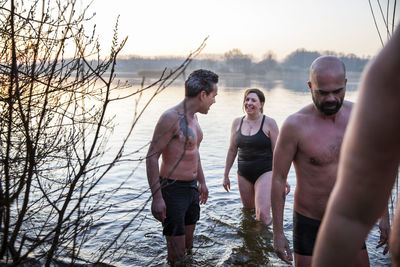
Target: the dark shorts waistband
pixel 168 181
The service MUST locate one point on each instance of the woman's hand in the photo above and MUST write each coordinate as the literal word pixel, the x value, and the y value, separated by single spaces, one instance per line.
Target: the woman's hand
pixel 226 183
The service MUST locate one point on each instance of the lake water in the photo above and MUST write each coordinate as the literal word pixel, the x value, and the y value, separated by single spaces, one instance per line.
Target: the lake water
pixel 226 235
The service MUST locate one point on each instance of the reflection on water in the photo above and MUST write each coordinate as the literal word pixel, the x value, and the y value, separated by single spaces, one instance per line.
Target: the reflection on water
pixel 227 234
pixel 257 242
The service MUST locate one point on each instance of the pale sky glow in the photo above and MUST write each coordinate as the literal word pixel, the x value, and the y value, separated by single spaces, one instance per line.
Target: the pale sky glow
pixel 176 27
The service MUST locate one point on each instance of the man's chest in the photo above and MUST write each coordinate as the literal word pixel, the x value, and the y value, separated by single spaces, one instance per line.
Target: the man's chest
pixel 320 148
pixel 189 133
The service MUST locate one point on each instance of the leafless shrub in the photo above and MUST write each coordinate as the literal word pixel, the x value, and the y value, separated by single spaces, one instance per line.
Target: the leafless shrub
pixel 55 90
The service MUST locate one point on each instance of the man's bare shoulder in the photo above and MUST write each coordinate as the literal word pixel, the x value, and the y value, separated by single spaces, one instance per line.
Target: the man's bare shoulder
pixel 348 103
pixel 347 106
pixel 169 117
pixel 297 120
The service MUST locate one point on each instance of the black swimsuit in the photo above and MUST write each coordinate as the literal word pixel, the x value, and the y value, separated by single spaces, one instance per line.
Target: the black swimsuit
pixel 305 231
pixel 254 153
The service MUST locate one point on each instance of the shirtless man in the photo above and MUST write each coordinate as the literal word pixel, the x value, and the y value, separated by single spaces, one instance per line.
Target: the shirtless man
pixel 177 138
pixel 311 139
pixel 369 162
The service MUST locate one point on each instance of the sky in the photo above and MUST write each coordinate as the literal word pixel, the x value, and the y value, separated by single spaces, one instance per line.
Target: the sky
pixel 255 27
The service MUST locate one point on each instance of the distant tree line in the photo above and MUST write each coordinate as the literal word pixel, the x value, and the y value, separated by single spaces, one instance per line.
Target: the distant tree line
pixel 234 61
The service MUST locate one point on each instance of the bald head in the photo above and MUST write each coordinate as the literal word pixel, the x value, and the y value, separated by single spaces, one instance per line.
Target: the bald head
pixel 327 66
pixel 327 84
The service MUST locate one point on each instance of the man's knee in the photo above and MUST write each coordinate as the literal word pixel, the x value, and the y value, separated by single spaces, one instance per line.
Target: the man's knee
pixel 189 231
pixel 175 254
pixel 176 248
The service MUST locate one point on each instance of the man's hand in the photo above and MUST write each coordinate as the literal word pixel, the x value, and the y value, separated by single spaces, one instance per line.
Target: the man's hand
pixel 203 191
pixel 384 228
pixel 158 209
pixel 282 249
pixel 226 183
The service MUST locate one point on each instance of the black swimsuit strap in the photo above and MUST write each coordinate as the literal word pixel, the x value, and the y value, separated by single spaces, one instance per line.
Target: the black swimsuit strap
pixel 241 122
pixel 262 123
pixel 240 127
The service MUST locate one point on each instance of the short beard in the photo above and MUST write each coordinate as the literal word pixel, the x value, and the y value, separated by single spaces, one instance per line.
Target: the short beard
pixel 322 107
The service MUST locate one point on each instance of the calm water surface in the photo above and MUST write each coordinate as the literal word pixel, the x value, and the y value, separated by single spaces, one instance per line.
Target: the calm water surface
pixel 226 235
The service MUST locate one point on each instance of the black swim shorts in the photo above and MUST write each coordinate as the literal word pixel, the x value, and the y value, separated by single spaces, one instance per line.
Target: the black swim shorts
pixel 182 202
pixel 304 234
pixel 305 231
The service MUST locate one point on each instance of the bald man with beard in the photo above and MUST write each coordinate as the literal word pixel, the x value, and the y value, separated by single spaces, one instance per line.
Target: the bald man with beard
pixel 311 138
pixel 370 161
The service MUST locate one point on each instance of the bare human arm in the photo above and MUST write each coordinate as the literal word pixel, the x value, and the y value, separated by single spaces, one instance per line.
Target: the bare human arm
pixel 273 135
pixel 231 155
pixel 284 153
pixel 368 164
pixel 203 190
pixel 202 187
pixel 163 133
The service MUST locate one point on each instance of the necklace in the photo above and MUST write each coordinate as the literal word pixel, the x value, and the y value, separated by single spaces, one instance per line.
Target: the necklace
pixel 253 123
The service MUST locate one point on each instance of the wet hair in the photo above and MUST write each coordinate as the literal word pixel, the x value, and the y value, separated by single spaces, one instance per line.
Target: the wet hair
pixel 258 92
pixel 200 80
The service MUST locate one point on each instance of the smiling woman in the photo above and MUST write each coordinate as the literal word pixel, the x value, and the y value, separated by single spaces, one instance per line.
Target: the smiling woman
pixel 253 139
